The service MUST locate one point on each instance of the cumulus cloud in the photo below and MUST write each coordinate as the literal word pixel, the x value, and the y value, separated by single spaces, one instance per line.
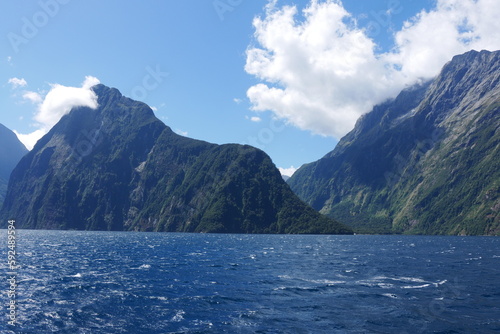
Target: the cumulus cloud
pixel 320 71
pixel 33 97
pixel 255 119
pixel 61 99
pixel 57 103
pixel 287 171
pixel 16 82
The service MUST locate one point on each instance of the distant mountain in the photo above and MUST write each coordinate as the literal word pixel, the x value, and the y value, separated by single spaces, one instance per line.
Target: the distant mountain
pixel 11 151
pixel 120 168
pixel 427 162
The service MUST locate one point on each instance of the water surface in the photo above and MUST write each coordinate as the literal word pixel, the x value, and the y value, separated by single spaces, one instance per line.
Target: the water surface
pixel 123 282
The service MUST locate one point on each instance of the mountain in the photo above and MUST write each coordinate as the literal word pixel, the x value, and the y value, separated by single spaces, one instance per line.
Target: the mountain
pixel 120 168
pixel 11 151
pixel 426 162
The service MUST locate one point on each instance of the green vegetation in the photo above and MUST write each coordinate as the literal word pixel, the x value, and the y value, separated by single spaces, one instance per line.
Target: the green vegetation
pixel 427 162
pixel 120 168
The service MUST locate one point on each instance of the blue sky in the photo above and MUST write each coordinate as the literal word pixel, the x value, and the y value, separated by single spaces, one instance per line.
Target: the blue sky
pixel 291 82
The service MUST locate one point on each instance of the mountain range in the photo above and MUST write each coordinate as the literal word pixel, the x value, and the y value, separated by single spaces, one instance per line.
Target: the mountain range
pixel 118 167
pixel 11 151
pixel 426 162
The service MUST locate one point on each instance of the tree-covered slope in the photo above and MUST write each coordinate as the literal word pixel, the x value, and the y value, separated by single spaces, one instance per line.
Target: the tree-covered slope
pixel 426 162
pixel 119 168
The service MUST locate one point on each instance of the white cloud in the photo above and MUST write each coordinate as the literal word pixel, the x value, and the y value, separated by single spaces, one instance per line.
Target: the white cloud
pixel 255 119
pixel 320 72
pixel 90 82
pixel 29 140
pixel 57 103
pixel 287 171
pixel 61 99
pixel 237 100
pixel 181 133
pixel 428 41
pixel 16 82
pixel 33 97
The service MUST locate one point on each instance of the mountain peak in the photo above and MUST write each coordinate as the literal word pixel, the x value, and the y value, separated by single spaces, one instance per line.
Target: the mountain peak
pixel 107 96
pixel 473 54
pixel 118 167
pixel 425 162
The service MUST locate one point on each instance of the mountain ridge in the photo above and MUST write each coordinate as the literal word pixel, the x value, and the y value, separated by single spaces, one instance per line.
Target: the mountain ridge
pixel 425 162
pixel 118 167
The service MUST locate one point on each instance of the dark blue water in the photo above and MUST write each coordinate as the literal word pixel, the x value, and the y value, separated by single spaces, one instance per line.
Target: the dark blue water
pixel 100 282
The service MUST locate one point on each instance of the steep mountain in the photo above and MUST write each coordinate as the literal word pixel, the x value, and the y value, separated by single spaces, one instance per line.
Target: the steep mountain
pixel 120 168
pixel 11 151
pixel 426 162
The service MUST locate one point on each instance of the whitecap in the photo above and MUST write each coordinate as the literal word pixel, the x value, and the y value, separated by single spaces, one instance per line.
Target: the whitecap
pixel 409 279
pixel 143 266
pixel 52 315
pixel 284 277
pixel 162 298
pixel 440 283
pixel 62 302
pixel 179 316
pixel 415 286
pixel 51 245
pixel 196 254
pixel 324 281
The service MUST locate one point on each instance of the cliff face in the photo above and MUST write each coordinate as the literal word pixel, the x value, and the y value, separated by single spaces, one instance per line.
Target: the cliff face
pixel 120 168
pixel 426 162
pixel 11 151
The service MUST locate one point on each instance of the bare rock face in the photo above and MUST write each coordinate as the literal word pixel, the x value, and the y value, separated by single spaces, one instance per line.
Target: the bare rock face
pixel 427 162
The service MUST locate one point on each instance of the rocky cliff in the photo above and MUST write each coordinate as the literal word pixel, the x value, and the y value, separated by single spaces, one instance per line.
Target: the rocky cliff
pixel 427 162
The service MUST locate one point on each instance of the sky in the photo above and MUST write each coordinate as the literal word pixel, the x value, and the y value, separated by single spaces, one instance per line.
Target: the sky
pixel 289 77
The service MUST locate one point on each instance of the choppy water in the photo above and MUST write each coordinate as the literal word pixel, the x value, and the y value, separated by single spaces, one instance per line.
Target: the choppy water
pixel 114 282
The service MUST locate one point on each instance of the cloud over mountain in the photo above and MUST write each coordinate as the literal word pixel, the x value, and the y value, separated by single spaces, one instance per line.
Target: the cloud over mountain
pixel 320 71
pixel 57 103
